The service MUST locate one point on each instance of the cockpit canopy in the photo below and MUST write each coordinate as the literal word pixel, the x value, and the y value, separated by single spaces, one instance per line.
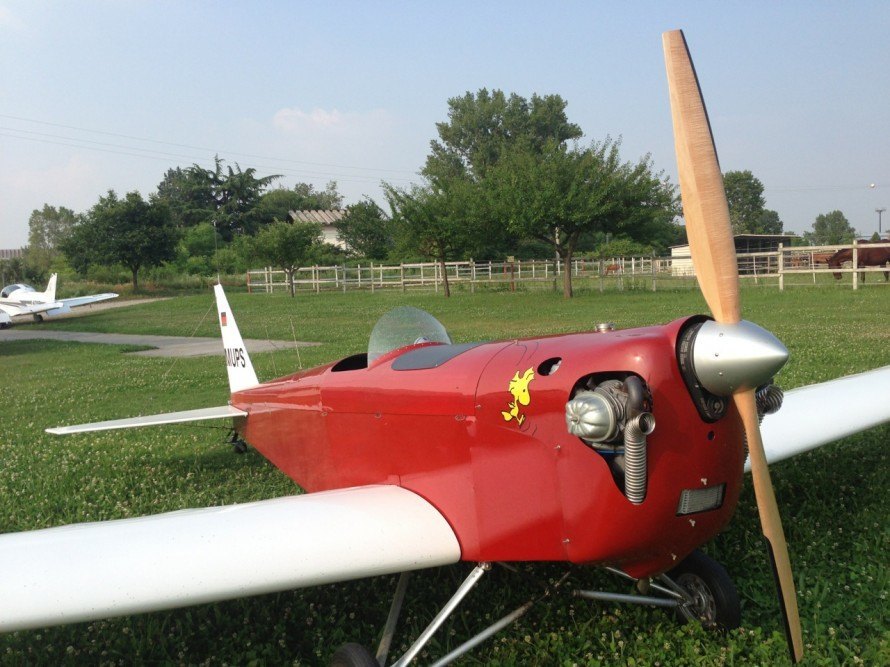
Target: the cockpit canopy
pixel 404 326
pixel 9 289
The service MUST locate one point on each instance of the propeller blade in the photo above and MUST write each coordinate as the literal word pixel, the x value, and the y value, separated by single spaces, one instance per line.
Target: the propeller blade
pixel 701 186
pixel 713 254
pixel 770 522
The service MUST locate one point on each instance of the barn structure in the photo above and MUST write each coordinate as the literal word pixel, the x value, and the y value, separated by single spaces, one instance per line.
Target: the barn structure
pixel 328 221
pixel 681 263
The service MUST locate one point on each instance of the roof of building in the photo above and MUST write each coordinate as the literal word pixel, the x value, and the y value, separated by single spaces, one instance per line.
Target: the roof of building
pixel 11 253
pixel 321 217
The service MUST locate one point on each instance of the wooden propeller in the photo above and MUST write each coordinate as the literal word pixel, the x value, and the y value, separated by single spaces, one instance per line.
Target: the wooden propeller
pixel 713 255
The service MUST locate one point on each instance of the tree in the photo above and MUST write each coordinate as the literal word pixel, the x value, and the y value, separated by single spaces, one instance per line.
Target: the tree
pixel 278 203
pixel 47 229
pixel 222 196
pixel 560 193
pixel 318 200
pixel 429 221
pixel 744 194
pixel 480 129
pixel 830 229
pixel 286 245
pixel 365 230
pixel 481 126
pixel 769 223
pixel 189 195
pixel 129 231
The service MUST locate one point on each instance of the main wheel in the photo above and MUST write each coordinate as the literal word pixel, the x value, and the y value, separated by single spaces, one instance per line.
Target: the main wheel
pixel 713 599
pixel 353 655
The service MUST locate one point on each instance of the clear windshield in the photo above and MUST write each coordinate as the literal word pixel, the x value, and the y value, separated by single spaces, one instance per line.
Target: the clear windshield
pixel 403 326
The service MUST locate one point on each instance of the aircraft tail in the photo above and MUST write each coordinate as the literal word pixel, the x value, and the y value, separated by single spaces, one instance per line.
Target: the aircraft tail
pixel 50 294
pixel 238 364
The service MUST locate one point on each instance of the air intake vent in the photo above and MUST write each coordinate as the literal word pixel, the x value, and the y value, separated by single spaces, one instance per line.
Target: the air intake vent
pixel 693 501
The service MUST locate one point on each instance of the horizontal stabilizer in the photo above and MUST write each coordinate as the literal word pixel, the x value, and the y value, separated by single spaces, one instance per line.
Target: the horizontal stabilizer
pixel 202 414
pixel 98 570
pixel 821 413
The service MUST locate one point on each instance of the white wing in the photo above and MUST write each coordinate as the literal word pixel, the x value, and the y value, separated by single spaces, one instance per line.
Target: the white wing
pixel 76 301
pixel 201 414
pixel 821 413
pixel 16 308
pixel 97 570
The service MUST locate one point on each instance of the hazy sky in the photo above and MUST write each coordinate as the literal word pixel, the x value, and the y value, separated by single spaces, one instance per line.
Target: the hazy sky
pixel 109 94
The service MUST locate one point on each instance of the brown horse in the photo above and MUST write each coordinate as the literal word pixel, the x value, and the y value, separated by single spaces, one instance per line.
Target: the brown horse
pixel 866 256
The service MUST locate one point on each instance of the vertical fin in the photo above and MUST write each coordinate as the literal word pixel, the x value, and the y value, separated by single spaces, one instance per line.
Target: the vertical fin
pixel 238 364
pixel 50 294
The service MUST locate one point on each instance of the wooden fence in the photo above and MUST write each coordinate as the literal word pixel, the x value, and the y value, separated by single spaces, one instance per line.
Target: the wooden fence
pixel 785 267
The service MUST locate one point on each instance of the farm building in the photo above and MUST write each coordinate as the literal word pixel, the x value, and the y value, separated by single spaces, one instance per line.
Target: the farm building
pixel 681 264
pixel 328 221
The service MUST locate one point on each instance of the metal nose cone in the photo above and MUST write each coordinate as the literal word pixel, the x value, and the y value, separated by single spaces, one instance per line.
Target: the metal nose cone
pixel 732 357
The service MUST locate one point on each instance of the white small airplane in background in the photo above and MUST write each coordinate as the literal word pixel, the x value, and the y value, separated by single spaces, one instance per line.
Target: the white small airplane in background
pixel 21 299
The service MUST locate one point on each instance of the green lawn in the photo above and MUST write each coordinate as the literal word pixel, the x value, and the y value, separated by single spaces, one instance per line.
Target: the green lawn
pixel 834 501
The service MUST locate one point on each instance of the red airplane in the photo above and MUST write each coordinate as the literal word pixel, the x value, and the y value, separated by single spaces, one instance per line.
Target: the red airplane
pixel 621 449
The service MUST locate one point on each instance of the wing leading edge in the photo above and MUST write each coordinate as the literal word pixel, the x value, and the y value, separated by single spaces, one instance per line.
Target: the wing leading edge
pixel 815 415
pixel 98 570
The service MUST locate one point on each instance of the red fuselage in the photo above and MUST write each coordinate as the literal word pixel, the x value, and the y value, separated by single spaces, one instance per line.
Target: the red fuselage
pixel 511 480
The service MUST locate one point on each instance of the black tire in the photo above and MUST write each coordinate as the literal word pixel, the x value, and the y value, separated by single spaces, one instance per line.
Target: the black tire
pixel 353 655
pixel 714 599
pixel 38 317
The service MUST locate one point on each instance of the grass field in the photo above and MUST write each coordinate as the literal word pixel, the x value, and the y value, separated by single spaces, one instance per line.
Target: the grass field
pixel 834 501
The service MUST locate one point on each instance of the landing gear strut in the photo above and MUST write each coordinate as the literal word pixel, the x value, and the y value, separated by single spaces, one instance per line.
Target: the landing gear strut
pixel 712 597
pixel 237 443
pixel 697 589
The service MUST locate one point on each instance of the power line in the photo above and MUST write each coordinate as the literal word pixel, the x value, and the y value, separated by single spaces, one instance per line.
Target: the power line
pixel 116 149
pixel 200 148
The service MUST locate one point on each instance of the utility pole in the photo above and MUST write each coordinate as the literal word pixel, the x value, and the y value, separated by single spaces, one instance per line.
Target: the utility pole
pixel 879 211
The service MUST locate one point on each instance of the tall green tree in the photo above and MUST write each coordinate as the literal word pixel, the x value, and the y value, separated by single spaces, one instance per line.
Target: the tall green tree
pixel 428 221
pixel 560 193
pixel 747 206
pixel 222 196
pixel 286 245
pixel 189 195
pixel 481 128
pixel 483 125
pixel 47 229
pixel 830 229
pixel 366 230
pixel 128 231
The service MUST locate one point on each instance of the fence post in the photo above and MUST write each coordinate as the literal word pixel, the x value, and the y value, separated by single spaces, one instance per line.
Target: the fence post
pixel 248 282
pixel 855 264
pixel 472 276
pixel 654 272
pixel 402 275
pixel 781 268
pixel 600 271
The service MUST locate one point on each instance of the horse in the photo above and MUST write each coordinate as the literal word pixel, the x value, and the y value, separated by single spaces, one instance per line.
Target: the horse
pixel 865 256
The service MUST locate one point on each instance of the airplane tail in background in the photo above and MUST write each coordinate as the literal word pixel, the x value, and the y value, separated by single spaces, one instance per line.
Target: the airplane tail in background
pixel 50 294
pixel 238 364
